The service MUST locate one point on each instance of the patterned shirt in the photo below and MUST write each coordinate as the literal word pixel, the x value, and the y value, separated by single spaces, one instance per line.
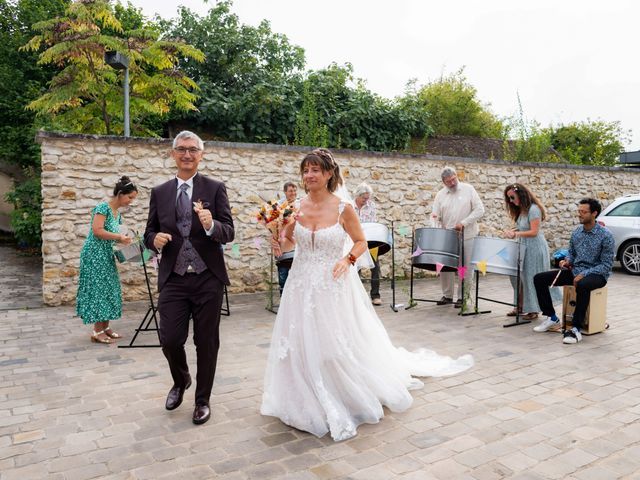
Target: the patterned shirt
pixel 591 251
pixel 367 213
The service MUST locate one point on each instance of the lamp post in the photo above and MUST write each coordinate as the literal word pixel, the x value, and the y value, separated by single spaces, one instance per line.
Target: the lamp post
pixel 121 62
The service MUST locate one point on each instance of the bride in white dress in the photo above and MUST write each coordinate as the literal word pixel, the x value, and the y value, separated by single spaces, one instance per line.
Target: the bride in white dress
pixel 331 364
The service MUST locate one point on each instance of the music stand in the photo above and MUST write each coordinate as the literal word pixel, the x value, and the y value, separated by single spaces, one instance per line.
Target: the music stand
pixel 151 311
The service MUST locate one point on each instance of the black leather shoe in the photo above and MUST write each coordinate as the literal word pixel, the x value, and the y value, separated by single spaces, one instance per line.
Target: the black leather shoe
pixel 174 399
pixel 201 414
pixel 444 301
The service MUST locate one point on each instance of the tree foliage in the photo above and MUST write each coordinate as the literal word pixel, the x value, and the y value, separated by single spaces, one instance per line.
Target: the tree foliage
pixel 21 80
pixel 589 142
pixel 251 83
pixel 87 95
pixel 454 109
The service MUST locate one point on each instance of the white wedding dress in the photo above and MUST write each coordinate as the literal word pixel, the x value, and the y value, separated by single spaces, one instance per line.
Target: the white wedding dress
pixel 331 364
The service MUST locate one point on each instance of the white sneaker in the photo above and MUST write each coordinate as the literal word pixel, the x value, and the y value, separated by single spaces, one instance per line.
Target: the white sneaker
pixel 572 336
pixel 547 325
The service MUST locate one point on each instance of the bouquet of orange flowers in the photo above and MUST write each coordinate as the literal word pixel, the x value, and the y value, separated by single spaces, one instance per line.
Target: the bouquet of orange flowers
pixel 275 216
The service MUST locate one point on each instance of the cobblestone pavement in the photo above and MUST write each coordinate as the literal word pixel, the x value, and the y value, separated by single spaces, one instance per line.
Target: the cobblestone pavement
pixel 530 409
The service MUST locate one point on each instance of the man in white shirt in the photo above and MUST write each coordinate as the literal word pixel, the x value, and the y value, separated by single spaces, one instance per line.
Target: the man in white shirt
pixel 457 206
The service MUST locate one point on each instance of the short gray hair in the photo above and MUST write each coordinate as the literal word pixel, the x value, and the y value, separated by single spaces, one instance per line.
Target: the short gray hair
pixel 362 189
pixel 447 172
pixel 186 135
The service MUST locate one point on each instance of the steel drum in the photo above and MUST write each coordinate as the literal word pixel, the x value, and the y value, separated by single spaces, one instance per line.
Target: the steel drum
pixel 500 254
pixel 285 260
pixel 438 245
pixel 377 235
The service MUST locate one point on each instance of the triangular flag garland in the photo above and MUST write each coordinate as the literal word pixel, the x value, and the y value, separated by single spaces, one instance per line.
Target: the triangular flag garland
pixel 461 271
pixel 482 267
pixel 235 250
pixel 504 254
pixel 257 242
pixel 374 253
pixel 418 252
pixel 403 230
pixel 439 267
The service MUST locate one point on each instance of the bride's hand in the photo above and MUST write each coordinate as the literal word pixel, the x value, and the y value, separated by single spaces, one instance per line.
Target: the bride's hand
pixel 341 268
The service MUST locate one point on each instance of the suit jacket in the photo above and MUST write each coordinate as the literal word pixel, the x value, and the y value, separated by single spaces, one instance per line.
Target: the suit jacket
pixel 162 218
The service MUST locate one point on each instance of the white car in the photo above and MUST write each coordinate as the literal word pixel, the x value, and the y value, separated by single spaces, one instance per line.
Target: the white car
pixel 622 218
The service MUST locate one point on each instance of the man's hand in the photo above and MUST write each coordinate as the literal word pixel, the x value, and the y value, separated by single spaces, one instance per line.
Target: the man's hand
pixel 576 279
pixel 161 240
pixel 206 219
pixel 564 264
pixel 459 227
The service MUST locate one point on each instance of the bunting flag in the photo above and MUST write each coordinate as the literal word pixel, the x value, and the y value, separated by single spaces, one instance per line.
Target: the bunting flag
pixel 482 267
pixel 439 267
pixel 461 271
pixel 257 242
pixel 403 230
pixel 154 262
pixel 504 254
pixel 418 252
pixel 235 250
pixel 374 253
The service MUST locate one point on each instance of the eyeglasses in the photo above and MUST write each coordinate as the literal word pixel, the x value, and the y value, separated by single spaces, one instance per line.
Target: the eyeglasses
pixel 511 198
pixel 183 150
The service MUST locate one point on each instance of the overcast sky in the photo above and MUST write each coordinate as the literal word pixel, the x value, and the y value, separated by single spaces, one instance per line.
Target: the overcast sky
pixel 568 60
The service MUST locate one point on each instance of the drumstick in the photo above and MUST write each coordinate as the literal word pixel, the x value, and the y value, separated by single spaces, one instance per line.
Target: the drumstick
pixel 555 279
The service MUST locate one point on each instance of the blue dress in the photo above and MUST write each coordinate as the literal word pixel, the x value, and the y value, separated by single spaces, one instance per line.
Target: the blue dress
pixel 536 260
pixel 99 298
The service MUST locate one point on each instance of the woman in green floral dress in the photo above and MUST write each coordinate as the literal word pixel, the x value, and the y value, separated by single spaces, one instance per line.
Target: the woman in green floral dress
pixel 99 298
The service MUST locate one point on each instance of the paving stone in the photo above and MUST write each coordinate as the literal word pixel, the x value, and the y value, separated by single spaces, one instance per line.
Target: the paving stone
pixel 71 410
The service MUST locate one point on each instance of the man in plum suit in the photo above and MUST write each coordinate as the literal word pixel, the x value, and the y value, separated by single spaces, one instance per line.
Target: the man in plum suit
pixel 189 220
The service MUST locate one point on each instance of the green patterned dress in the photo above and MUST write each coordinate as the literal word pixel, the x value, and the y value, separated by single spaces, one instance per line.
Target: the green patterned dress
pixel 99 298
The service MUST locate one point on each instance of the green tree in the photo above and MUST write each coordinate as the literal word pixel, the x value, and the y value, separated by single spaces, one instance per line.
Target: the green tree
pixel 251 84
pixel 361 120
pixel 454 108
pixel 21 80
pixel 310 131
pixel 87 95
pixel 589 142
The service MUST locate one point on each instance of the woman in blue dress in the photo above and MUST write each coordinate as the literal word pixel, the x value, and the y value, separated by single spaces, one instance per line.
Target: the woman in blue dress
pixel 99 299
pixel 527 212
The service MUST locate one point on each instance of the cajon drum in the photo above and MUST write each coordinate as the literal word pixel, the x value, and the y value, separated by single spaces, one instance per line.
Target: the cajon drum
pixel 595 320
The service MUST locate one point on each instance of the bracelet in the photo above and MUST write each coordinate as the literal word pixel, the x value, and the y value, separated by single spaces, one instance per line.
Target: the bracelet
pixel 352 258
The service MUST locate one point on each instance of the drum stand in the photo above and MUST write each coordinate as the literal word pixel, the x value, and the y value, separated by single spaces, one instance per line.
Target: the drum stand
pixel 518 320
pixel 413 302
pixel 475 310
pixel 393 305
pixel 518 278
pixel 270 306
pixel 151 311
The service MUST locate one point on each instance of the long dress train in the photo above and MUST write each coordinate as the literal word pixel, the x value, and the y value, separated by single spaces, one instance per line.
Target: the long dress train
pixel 331 364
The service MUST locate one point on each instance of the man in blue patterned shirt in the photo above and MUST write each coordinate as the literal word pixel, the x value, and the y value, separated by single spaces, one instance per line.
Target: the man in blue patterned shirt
pixel 587 267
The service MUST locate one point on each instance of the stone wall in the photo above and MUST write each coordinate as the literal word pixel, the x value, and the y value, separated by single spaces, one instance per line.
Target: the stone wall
pixel 78 171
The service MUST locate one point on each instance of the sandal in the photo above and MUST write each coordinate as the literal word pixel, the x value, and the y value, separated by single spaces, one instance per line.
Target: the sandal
pixel 513 313
pixel 110 333
pixel 529 316
pixel 95 337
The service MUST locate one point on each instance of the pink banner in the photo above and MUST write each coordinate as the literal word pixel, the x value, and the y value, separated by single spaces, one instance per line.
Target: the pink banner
pixel 439 267
pixel 417 252
pixel 461 271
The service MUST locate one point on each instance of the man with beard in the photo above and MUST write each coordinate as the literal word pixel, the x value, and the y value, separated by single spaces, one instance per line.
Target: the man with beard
pixel 457 206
